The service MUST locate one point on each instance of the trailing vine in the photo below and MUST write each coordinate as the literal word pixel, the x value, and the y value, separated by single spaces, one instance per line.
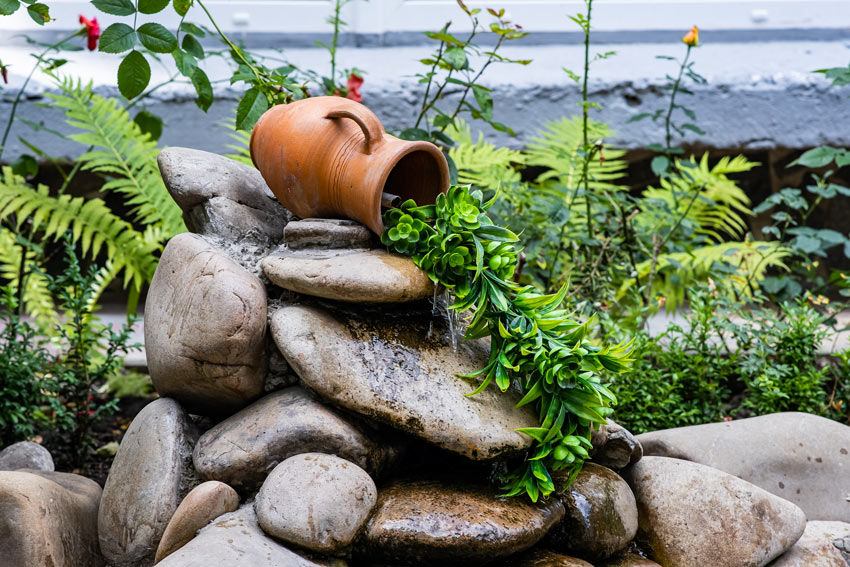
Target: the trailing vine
pixel 535 344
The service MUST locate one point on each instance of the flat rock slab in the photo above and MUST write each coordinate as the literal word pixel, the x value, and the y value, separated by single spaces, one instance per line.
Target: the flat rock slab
pixel 325 234
pixel 48 519
pixel 366 276
pixel 435 523
pixel 26 455
pixel 202 505
pixel 316 501
pixel 150 475
pixel 691 515
pixel 243 449
pixel 601 514
pixel 205 328
pixel 822 545
pixel 221 197
pixel 236 540
pixel 797 456
pixel 386 367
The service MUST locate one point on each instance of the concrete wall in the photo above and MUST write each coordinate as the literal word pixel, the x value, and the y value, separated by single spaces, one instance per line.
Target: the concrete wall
pixel 760 94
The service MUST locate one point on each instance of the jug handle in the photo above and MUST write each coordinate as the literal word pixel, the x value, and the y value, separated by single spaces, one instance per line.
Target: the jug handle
pixel 373 133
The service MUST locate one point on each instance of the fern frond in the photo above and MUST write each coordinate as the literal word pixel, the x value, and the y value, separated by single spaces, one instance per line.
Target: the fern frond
pixel 92 224
pixel 721 203
pixel 241 145
pixel 121 152
pixel 38 301
pixel 482 164
pixel 558 149
pixel 750 261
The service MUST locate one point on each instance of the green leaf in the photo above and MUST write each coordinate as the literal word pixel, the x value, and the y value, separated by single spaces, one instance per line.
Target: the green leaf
pixel 182 6
pixel 202 86
pixel 115 7
pixel 444 37
pixel 39 13
pixel 250 108
pixel 157 38
pixel 414 134
pixel 193 46
pixel 152 6
pixel 816 157
pixel 25 166
pixel 192 29
pixel 807 244
pixel 9 7
pixel 660 165
pixel 134 74
pixel 149 124
pixel 455 57
pixel 186 64
pixel 117 38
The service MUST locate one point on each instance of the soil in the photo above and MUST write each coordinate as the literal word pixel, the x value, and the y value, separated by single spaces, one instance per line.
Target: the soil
pixel 96 467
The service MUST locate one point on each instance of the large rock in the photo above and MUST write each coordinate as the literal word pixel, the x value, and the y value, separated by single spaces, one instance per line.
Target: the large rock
pixel 243 449
pixel 362 276
pixel 821 545
pixel 434 523
pixel 691 515
pixel 400 368
pixel 800 457
pixel 541 558
pixel 235 540
pixel 614 446
pixel 150 475
pixel 48 519
pixel 26 455
pixel 202 505
pixel 601 514
pixel 221 197
pixel 205 328
pixel 316 501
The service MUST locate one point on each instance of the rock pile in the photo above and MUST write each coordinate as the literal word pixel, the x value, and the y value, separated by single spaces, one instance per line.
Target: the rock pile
pixel 310 415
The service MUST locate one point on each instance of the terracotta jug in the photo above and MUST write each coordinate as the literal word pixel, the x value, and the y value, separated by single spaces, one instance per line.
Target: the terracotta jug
pixel 329 157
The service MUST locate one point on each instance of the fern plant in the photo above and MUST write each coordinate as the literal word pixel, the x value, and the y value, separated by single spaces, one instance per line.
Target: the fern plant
pixel 117 150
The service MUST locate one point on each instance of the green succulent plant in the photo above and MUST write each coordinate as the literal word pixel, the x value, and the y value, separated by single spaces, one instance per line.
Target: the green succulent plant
pixel 535 344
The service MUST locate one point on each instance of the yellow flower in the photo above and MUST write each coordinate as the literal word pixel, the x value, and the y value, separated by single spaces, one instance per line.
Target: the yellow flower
pixel 692 37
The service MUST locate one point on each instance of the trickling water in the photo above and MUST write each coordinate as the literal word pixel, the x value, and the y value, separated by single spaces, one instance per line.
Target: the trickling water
pixel 440 308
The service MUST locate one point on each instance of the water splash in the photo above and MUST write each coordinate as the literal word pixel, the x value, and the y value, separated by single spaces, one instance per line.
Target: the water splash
pixel 440 308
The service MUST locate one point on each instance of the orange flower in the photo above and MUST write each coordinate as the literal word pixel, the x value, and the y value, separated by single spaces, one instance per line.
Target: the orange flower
pixel 353 87
pixel 92 31
pixel 691 38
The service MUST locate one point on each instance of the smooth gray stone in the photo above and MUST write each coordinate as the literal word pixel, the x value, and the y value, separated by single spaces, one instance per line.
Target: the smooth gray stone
pixel 800 457
pixel 818 547
pixel 150 475
pixel 221 197
pixel 243 449
pixel 386 367
pixel 205 328
pixel 236 540
pixel 324 234
pixel 316 501
pixel 691 515
pixel 614 446
pixel 26 455
pixel 48 519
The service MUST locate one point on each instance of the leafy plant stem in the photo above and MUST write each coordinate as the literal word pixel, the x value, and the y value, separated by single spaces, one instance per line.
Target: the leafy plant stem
pixel 668 134
pixel 39 60
pixel 424 108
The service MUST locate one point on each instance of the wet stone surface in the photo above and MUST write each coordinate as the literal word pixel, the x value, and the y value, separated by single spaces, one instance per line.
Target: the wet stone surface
pixel 541 558
pixel 437 523
pixel 399 368
pixel 601 515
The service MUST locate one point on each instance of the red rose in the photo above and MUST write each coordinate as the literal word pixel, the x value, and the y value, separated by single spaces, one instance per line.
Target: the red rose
pixel 92 31
pixel 354 83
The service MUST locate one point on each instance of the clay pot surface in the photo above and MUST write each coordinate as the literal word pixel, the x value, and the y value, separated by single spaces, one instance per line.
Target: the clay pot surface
pixel 329 157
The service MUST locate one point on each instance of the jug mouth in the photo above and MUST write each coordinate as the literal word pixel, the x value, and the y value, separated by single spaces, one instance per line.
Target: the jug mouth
pixel 420 173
